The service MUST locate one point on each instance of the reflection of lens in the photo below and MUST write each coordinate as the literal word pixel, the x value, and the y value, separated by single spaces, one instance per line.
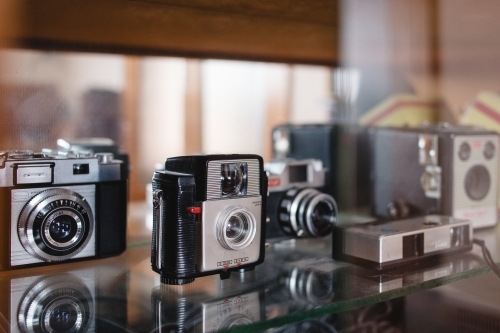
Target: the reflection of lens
pixel 477 182
pixel 311 287
pixel 233 178
pixel 234 320
pixel 464 151
pixel 236 228
pixel 307 212
pixel 56 304
pixel 63 317
pixel 55 224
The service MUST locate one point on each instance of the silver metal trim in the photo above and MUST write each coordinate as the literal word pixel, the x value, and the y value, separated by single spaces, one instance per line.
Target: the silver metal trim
pixel 221 234
pixel 310 206
pixel 158 207
pixel 214 181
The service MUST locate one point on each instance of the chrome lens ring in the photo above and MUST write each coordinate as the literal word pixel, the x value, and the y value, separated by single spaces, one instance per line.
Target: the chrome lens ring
pixel 333 212
pixel 41 211
pixel 245 233
pixel 295 208
pixel 45 298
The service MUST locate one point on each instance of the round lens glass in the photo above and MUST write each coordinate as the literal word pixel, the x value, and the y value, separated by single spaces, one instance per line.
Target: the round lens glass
pixel 234 227
pixel 61 227
pixel 63 318
pixel 323 216
pixel 231 179
pixel 489 150
pixel 464 151
pixel 477 182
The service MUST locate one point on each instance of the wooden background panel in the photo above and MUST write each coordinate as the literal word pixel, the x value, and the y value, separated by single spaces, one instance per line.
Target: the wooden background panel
pixel 281 32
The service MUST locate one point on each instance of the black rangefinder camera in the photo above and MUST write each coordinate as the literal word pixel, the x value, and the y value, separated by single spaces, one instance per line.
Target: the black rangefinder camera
pixel 344 151
pixel 208 216
pixel 445 169
pixel 297 206
pixel 59 206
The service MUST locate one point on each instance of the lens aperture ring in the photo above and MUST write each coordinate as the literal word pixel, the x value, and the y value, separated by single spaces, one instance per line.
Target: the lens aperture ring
pixel 55 225
pixel 307 212
pixel 236 228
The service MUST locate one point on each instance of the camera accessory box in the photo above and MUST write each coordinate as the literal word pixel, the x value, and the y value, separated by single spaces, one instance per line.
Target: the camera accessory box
pixel 60 206
pixel 209 216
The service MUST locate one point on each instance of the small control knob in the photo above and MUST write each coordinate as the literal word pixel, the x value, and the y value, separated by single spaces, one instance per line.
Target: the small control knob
pixel 104 158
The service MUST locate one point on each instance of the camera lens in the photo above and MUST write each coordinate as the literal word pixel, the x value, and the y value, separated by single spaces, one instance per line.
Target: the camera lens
pixel 56 224
pixel 233 178
pixel 489 150
pixel 307 212
pixel 56 304
pixel 464 151
pixel 236 228
pixel 477 182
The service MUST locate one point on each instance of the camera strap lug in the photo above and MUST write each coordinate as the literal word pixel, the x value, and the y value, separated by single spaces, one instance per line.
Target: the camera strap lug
pixel 158 207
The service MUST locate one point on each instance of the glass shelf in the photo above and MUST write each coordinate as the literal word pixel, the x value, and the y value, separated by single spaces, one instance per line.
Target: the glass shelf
pixel 297 281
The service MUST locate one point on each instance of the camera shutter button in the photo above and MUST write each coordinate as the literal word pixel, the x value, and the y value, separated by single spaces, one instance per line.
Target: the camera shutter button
pixel 104 158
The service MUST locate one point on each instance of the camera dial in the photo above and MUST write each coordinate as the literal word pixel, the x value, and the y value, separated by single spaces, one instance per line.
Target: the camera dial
pixel 55 224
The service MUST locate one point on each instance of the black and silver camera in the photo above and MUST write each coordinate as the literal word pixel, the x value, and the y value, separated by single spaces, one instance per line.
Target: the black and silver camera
pixel 297 206
pixel 60 206
pixel 209 216
pixel 344 151
pixel 388 244
pixel 450 170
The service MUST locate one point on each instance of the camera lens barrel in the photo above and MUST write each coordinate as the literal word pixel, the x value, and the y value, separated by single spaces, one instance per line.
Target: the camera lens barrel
pixel 307 212
pixel 56 224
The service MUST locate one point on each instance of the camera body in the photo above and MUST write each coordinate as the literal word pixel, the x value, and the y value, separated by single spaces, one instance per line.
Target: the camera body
pixel 344 151
pixel 60 206
pixel 450 170
pixel 297 205
pixel 208 217
pixel 389 244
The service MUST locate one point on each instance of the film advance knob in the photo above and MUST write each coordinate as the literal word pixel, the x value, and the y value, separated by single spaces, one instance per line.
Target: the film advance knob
pixel 104 158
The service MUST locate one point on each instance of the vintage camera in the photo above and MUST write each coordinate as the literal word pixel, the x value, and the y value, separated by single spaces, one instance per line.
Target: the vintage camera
pixel 296 205
pixel 60 206
pixel 444 169
pixel 209 216
pixel 389 244
pixel 344 151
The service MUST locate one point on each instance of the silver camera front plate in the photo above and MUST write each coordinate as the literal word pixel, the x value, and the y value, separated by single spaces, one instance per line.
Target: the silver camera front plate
pixel 19 198
pixel 211 255
pixel 482 210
